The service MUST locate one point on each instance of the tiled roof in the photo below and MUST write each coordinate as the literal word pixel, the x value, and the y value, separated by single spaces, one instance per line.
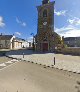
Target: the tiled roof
pixel 5 37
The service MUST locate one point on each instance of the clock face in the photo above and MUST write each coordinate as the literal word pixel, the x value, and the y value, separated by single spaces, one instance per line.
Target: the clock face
pixel 44 23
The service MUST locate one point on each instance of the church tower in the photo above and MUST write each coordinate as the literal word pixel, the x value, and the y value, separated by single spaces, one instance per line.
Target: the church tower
pixel 45 40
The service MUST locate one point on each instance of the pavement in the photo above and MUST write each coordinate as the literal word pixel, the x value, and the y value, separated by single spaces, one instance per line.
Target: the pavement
pixel 62 62
pixel 29 77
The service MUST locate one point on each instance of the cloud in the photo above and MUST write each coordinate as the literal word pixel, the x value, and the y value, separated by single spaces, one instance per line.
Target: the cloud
pixel 24 24
pixel 68 31
pixel 60 13
pixel 18 33
pixel 65 28
pixel 71 30
pixel 17 20
pixel 2 24
pixel 72 33
pixel 74 21
pixel 20 22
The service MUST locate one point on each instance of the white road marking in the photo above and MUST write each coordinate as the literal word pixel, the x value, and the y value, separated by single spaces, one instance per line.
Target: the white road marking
pixel 14 60
pixel 9 65
pixel 3 64
pixel 9 62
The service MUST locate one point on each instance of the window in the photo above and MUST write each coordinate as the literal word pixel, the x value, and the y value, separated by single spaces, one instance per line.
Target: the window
pixel 45 13
pixel 45 1
pixel 45 39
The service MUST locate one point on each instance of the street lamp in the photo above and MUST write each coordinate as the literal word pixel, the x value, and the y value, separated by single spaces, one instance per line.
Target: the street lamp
pixel 33 41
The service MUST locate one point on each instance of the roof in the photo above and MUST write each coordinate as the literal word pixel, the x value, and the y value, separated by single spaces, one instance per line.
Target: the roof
pixel 71 38
pixel 55 34
pixel 5 37
pixel 19 39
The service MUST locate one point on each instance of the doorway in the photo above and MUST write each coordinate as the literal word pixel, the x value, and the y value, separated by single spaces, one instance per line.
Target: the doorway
pixel 45 46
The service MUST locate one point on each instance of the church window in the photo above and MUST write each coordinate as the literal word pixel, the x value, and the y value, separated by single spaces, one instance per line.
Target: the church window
pixel 45 39
pixel 45 13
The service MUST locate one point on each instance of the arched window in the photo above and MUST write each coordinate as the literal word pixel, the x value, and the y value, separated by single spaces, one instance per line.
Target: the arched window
pixel 45 13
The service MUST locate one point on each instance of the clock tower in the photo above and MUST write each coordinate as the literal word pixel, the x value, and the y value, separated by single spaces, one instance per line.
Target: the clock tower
pixel 45 38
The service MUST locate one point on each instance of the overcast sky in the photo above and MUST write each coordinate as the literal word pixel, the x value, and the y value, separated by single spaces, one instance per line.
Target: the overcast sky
pixel 19 17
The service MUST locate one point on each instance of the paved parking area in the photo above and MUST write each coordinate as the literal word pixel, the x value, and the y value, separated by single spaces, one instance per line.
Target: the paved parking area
pixel 65 62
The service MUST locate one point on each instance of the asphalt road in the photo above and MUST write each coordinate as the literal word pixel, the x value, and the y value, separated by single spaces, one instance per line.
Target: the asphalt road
pixel 4 59
pixel 30 77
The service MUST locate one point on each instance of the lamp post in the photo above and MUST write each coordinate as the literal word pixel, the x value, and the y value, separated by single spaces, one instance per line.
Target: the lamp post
pixel 33 41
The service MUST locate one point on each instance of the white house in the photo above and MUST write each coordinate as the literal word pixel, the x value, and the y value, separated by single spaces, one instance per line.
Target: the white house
pixel 6 41
pixel 12 42
pixel 25 44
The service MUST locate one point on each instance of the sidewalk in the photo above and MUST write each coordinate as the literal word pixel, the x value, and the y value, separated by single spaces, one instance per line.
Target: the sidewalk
pixel 64 62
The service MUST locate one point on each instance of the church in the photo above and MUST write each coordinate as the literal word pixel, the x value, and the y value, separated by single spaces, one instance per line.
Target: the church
pixel 46 39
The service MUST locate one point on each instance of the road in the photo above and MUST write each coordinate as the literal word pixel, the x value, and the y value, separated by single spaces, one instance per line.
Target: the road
pixel 29 77
pixel 4 59
pixel 5 62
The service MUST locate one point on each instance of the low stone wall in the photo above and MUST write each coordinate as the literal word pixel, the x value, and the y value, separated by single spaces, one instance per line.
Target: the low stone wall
pixel 71 51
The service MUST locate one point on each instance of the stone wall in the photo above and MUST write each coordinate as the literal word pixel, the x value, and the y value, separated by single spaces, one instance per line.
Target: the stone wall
pixel 71 51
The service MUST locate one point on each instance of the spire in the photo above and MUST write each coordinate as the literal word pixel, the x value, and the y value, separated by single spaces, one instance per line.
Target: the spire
pixel 45 1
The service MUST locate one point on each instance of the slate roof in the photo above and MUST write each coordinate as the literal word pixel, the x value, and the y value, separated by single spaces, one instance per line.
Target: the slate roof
pixel 71 38
pixel 5 37
pixel 19 39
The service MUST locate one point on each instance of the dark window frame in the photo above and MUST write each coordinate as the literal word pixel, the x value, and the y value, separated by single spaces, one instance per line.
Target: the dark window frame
pixel 45 13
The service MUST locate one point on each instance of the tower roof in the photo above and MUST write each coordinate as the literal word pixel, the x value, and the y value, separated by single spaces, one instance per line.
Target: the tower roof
pixel 45 1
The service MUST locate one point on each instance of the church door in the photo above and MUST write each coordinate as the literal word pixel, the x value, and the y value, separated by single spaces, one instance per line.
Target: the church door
pixel 45 46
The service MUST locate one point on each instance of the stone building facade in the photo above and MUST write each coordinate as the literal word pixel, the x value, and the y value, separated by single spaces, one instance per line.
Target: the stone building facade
pixel 46 39
pixel 72 41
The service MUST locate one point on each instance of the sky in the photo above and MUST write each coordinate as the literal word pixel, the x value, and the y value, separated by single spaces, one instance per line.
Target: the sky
pixel 19 17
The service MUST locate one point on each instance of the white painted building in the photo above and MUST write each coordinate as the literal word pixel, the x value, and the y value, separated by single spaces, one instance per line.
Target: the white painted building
pixel 6 41
pixel 25 44
pixel 12 42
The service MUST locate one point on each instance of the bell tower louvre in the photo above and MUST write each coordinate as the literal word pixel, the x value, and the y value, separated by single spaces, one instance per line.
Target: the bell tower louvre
pixel 46 38
pixel 45 1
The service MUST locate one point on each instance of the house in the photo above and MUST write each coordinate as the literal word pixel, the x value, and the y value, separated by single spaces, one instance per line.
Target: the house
pixel 20 43
pixel 12 42
pixel 6 41
pixel 17 43
pixel 25 44
pixel 72 41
